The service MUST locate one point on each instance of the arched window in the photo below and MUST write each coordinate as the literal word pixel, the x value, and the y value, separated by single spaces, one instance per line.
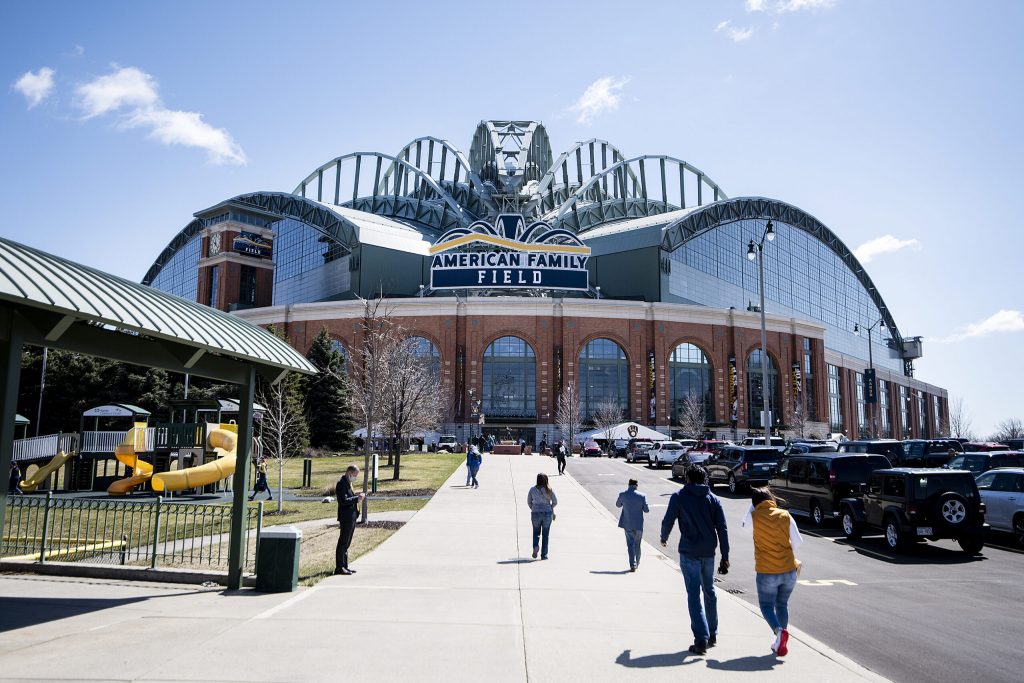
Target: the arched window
pixel 754 394
pixel 604 377
pixel 689 374
pixel 425 349
pixel 339 348
pixel 510 379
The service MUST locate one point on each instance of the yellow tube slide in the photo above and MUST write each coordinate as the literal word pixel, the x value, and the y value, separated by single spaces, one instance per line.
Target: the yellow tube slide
pixel 45 471
pixel 142 471
pixel 223 439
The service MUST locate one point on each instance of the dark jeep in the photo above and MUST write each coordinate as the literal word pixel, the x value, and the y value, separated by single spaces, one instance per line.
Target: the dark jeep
pixel 908 504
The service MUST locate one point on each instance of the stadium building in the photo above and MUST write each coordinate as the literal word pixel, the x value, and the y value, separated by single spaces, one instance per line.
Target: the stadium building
pixel 520 273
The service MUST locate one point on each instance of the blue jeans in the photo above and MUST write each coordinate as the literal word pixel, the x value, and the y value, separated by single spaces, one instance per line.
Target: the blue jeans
pixel 633 539
pixel 699 577
pixel 773 591
pixel 472 473
pixel 541 523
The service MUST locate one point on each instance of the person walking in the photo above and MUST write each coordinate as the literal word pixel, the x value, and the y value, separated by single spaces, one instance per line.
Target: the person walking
pixel 474 460
pixel 14 480
pixel 348 512
pixel 776 537
pixel 541 501
pixel 631 520
pixel 469 466
pixel 522 446
pixel 261 480
pixel 543 446
pixel 560 456
pixel 702 527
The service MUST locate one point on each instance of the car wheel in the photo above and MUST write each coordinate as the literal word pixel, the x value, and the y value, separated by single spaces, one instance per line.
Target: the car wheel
pixel 851 527
pixel 817 514
pixel 893 535
pixel 952 509
pixel 972 545
pixel 733 486
pixel 1018 528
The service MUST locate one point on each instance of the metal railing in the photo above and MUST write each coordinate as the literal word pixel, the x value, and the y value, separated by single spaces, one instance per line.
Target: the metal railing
pixel 106 442
pixel 39 447
pixel 146 533
pixel 180 435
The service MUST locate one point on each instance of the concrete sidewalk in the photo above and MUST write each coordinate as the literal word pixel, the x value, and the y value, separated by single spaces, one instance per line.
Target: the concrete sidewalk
pixel 453 595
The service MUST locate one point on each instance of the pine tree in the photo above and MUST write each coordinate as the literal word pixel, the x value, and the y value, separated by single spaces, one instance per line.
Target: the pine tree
pixel 327 397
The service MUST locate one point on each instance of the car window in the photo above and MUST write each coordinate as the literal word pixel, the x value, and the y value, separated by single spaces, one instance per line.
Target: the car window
pixel 761 456
pixel 875 484
pixel 1018 485
pixel 984 482
pixel 1004 481
pixel 895 486
pixel 858 468
pixel 818 472
pixel 926 485
pixel 797 470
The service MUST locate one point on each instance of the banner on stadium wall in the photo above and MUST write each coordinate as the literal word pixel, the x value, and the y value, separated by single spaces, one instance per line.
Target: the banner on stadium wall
pixel 870 386
pixel 734 404
pixel 797 384
pixel 251 244
pixel 652 411
pixel 509 255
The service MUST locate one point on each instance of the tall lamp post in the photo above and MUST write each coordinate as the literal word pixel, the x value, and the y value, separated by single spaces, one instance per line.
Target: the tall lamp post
pixel 756 250
pixel 871 395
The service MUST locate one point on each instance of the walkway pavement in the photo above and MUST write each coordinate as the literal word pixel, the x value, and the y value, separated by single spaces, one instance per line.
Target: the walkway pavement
pixel 453 595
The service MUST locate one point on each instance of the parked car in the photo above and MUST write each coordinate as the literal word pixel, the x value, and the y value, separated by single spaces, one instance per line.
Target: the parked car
pixel 705 449
pixel 976 463
pixel 911 504
pixel 680 465
pixel 1015 444
pixel 984 446
pixel 448 444
pixel 1002 491
pixel 664 453
pixel 776 442
pixel 738 466
pixel 929 452
pixel 813 483
pixel 619 448
pixel 797 447
pixel 640 450
pixel 890 448
pixel 591 448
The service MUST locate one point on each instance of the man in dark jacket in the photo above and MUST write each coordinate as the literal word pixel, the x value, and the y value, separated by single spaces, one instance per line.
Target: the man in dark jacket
pixel 701 521
pixel 348 511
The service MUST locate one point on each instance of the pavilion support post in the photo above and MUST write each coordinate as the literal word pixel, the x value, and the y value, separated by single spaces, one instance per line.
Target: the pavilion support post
pixel 10 356
pixel 239 508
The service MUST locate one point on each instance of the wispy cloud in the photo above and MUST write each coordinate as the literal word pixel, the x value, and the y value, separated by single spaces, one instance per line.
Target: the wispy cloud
pixel 883 245
pixel 76 52
pixel 36 86
pixel 135 95
pixel 1002 321
pixel 600 96
pixel 782 6
pixel 736 35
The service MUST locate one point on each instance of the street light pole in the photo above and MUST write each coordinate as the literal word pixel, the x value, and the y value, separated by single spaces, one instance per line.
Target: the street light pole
pixel 769 235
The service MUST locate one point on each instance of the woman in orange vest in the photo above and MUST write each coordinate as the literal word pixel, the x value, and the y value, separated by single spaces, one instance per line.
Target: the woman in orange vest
pixel 775 539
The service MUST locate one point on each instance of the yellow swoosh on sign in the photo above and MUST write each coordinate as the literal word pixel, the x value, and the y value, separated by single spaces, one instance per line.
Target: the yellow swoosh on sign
pixel 510 244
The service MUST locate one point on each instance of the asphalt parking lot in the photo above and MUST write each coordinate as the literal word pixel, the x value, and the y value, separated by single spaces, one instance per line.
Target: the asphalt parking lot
pixel 932 614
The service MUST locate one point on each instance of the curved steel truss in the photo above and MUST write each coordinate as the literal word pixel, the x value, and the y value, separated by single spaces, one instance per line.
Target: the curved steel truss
pixel 510 153
pixel 386 186
pixel 574 167
pixel 633 188
pixel 714 215
pixel 450 169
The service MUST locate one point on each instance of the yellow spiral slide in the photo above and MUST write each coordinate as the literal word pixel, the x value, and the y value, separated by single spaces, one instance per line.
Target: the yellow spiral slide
pixel 222 439
pixel 142 471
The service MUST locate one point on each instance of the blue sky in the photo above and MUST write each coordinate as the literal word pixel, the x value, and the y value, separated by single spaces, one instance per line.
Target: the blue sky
pixel 896 124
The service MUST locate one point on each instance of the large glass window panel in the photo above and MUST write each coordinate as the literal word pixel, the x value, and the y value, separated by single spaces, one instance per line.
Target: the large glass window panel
pixel 905 412
pixel 307 265
pixel 690 373
pixel 180 275
pixel 835 405
pixel 862 422
pixel 883 409
pixel 809 396
pixel 427 351
pixel 755 395
pixel 510 379
pixel 604 376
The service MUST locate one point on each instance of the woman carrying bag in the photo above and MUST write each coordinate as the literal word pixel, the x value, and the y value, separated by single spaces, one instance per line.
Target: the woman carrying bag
pixel 542 501
pixel 775 539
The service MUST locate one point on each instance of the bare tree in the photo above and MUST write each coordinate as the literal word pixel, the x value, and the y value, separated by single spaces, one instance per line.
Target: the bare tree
pixel 960 420
pixel 800 417
pixel 569 413
pixel 607 415
pixel 1010 428
pixel 285 431
pixel 693 416
pixel 411 396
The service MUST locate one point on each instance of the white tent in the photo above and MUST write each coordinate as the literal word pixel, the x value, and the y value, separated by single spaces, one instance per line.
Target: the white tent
pixel 427 436
pixel 623 431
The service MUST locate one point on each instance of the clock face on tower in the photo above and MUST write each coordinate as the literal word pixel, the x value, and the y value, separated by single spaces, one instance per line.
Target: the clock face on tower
pixel 215 244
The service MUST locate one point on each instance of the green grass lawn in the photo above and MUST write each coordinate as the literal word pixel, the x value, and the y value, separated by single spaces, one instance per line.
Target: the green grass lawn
pixel 419 471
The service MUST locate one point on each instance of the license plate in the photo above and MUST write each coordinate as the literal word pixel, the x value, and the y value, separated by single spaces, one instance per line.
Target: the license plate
pixel 924 531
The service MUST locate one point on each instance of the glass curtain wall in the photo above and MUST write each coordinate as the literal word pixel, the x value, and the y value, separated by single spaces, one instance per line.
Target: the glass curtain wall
pixel 809 398
pixel 835 406
pixel 884 423
pixel 905 412
pixel 690 374
pixel 179 275
pixel 922 416
pixel 604 376
pixel 510 379
pixel 755 400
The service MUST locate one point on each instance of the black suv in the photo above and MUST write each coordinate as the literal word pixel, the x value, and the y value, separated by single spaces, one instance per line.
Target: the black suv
pixel 908 504
pixel 742 466
pixel 976 463
pixel 813 483
pixel 929 452
pixel 893 450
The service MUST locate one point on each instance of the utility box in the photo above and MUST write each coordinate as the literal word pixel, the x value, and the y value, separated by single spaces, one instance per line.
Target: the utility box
pixel 277 561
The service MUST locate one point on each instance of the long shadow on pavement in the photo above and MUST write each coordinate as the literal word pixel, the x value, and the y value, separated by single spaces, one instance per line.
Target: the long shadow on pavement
pixel 18 613
pixel 609 571
pixel 762 663
pixel 652 661
pixel 520 560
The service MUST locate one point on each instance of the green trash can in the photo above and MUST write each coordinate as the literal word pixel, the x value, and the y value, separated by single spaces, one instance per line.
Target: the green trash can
pixel 277 563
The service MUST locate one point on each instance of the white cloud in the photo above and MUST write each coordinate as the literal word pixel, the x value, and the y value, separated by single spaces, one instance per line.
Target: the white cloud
pixel 37 86
pixel 136 91
pixel 125 87
pixel 883 245
pixel 77 51
pixel 782 6
pixel 737 35
pixel 600 96
pixel 1002 321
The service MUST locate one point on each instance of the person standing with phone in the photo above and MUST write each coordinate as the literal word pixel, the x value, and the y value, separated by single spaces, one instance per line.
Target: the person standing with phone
pixel 348 512
pixel 702 527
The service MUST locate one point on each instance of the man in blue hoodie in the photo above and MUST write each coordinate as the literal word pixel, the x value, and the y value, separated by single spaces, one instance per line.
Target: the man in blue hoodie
pixel 701 521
